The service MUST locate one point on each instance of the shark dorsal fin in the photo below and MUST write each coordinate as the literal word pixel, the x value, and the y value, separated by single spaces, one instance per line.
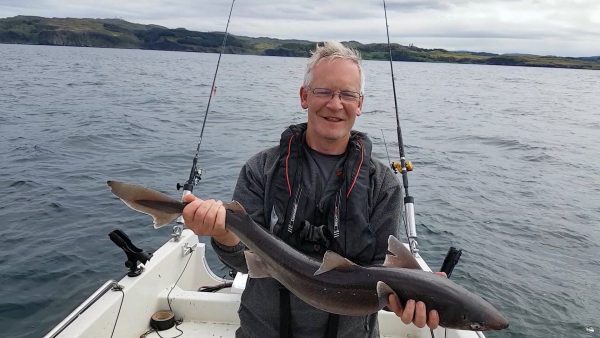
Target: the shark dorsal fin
pixel 401 257
pixel 332 260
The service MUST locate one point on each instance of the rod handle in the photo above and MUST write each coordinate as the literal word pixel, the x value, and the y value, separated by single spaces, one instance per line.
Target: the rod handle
pixel 451 260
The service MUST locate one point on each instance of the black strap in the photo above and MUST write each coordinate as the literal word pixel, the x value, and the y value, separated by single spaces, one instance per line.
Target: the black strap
pixel 285 327
pixel 332 326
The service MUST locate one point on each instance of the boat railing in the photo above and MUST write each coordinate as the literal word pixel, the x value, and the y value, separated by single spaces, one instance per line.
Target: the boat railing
pixel 81 308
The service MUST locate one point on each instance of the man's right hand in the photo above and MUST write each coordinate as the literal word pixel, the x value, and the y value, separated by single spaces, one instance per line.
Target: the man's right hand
pixel 207 218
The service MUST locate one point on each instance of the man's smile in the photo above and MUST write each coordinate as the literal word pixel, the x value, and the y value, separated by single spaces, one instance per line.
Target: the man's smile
pixel 333 119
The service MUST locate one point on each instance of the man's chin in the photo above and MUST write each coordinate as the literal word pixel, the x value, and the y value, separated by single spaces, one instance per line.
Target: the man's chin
pixel 335 137
pixel 331 135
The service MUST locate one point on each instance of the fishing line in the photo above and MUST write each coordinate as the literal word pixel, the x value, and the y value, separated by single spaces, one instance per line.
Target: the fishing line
pixel 194 178
pixel 408 214
pixel 409 211
pixel 178 278
pixel 195 174
pixel 117 287
pixel 392 165
pixel 386 148
pixel 212 88
pixel 398 129
pixel 177 322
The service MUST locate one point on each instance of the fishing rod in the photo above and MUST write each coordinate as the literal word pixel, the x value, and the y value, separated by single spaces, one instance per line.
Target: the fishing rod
pixel 196 173
pixel 404 166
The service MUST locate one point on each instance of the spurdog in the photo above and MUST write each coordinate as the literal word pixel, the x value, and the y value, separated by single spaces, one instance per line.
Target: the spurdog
pixel 335 285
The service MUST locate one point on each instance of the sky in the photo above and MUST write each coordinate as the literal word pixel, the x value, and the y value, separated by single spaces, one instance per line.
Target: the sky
pixel 543 27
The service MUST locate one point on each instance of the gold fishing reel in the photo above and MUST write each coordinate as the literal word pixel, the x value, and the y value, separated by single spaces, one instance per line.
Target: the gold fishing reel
pixel 397 166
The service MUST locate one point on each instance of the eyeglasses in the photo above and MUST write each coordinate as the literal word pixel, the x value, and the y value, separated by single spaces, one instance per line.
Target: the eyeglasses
pixel 346 96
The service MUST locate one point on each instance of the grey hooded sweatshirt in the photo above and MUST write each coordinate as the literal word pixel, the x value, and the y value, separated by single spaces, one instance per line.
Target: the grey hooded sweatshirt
pixel 259 309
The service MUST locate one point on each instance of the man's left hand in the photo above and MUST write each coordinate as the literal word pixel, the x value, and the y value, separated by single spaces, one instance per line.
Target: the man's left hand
pixel 415 312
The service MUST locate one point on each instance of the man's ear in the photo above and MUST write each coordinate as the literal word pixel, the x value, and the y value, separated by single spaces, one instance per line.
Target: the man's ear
pixel 359 108
pixel 303 98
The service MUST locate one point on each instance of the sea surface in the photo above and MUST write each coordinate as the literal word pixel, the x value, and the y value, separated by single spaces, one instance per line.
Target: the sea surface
pixel 507 168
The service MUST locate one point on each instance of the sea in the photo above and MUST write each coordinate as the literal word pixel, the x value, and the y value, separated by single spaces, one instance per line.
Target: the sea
pixel 506 168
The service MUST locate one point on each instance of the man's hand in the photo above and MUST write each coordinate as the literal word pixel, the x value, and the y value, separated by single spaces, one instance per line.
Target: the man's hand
pixel 415 312
pixel 207 218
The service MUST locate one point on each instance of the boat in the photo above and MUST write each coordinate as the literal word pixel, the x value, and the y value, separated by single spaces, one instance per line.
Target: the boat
pixel 174 293
pixel 173 280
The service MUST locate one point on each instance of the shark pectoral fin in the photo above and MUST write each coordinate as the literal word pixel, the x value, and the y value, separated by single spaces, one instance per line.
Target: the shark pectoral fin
pixel 256 266
pixel 332 260
pixel 401 257
pixel 383 294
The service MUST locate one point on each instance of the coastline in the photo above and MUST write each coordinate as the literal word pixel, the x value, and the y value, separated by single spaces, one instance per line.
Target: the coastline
pixel 117 33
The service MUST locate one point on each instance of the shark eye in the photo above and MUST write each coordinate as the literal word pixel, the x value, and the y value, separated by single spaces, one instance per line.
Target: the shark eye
pixel 475 326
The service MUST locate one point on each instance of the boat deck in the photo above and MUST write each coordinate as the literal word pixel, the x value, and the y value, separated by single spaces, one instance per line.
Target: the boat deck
pixel 191 328
pixel 171 280
pixel 199 329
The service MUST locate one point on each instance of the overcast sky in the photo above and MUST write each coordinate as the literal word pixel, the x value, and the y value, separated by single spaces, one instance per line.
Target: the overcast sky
pixel 545 27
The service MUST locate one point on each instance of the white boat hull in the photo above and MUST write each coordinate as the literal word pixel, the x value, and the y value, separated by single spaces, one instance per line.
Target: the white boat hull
pixel 127 313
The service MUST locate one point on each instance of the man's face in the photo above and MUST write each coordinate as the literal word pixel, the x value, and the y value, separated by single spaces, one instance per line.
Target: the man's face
pixel 331 119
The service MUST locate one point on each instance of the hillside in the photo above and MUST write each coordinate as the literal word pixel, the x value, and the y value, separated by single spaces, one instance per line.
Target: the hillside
pixel 117 33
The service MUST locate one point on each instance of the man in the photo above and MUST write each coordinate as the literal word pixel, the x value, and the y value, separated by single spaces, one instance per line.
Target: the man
pixel 318 190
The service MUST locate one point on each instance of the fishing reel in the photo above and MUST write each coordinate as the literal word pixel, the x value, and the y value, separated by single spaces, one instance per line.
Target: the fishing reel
pixel 195 177
pixel 188 187
pixel 397 166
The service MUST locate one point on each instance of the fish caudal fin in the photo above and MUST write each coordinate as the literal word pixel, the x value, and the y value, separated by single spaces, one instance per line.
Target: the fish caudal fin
pixel 163 208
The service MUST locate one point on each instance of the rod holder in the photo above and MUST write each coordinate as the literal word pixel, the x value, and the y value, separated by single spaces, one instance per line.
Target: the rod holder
pixel 411 228
pixel 134 254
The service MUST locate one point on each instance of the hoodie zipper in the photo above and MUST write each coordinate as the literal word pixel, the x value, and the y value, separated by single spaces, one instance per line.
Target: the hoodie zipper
pixel 336 216
pixel 294 210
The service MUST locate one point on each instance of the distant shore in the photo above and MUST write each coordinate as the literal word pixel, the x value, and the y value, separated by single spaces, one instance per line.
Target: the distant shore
pixel 117 33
